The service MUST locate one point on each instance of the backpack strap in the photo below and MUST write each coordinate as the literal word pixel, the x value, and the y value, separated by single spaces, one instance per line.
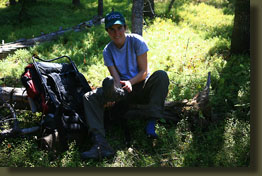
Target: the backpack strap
pixel 83 81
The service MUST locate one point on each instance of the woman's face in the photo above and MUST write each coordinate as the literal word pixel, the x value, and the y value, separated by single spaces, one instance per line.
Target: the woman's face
pixel 117 35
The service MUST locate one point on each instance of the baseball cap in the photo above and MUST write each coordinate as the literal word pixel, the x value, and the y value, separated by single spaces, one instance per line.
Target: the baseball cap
pixel 114 18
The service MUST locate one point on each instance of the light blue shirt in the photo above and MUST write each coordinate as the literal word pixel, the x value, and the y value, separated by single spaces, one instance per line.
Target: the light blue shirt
pixel 125 59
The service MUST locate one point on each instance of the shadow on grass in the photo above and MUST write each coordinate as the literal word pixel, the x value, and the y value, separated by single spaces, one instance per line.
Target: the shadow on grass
pixel 231 100
pixel 42 16
pixel 45 16
pixel 227 6
pixel 173 13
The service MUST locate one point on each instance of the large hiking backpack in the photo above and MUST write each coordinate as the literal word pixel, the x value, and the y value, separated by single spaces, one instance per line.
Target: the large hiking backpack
pixel 56 90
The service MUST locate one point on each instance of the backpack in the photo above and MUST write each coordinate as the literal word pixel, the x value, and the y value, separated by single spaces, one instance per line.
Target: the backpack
pixel 56 90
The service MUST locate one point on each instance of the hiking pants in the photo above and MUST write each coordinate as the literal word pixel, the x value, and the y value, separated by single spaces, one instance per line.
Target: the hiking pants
pixel 152 92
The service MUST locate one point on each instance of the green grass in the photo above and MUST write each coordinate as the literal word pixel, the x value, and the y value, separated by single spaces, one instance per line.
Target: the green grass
pixel 188 42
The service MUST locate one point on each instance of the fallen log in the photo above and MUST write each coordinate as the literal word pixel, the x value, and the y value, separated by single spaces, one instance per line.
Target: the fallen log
pixel 15 96
pixel 197 109
pixel 7 48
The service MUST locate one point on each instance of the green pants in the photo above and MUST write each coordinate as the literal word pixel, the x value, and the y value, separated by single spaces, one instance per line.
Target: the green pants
pixel 152 92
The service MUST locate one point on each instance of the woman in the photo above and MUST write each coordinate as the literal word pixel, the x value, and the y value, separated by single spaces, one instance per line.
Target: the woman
pixel 126 59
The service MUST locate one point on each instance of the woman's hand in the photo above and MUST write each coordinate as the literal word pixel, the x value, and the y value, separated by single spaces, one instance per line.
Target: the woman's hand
pixel 127 85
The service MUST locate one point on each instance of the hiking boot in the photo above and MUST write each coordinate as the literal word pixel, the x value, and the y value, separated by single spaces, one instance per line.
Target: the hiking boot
pixel 111 92
pixel 100 149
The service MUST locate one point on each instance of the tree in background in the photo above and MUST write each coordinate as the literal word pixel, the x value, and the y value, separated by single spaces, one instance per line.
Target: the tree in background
pixel 100 8
pixel 12 2
pixel 170 5
pixel 149 8
pixel 137 16
pixel 23 15
pixel 76 2
pixel 240 41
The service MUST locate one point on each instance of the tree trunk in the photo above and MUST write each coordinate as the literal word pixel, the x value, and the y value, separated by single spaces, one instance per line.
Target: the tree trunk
pixel 240 41
pixel 23 14
pixel 100 8
pixel 76 2
pixel 137 16
pixel 28 2
pixel 149 8
pixel 170 5
pixel 12 2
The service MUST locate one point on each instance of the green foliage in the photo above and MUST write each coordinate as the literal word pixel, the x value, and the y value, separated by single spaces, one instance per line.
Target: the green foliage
pixel 71 156
pixel 236 148
pixel 188 42
pixel 233 87
pixel 201 17
pixel 22 153
pixel 13 66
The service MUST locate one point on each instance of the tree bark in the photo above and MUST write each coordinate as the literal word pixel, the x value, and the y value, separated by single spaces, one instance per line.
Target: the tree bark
pixel 76 2
pixel 240 41
pixel 137 17
pixel 100 8
pixel 23 14
pixel 16 96
pixel 12 2
pixel 170 5
pixel 149 8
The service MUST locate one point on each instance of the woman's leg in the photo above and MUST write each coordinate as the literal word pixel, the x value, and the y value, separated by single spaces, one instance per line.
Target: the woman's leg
pixel 155 91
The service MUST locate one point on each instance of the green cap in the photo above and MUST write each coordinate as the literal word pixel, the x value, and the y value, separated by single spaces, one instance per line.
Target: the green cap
pixel 114 18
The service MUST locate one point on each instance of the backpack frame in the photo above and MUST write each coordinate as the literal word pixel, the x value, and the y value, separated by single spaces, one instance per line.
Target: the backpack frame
pixel 56 90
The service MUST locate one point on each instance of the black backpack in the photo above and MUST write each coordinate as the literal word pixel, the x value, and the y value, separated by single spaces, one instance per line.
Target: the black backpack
pixel 56 90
